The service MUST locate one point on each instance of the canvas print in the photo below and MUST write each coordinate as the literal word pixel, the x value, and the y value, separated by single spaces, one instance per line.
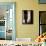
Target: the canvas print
pixel 7 27
pixel 27 17
pixel 42 1
pixel 42 21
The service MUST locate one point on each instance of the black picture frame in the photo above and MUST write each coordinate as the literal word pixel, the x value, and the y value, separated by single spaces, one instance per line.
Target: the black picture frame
pixel 27 17
pixel 42 22
pixel 42 1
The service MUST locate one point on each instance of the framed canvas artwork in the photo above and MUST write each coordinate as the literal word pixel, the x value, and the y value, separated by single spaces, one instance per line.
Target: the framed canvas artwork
pixel 42 22
pixel 7 20
pixel 27 17
pixel 42 1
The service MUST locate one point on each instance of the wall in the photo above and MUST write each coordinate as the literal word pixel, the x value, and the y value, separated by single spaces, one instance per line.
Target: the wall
pixel 28 31
pixel 32 30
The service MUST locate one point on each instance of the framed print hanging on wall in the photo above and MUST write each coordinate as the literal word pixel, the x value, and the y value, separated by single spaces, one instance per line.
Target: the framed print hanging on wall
pixel 7 20
pixel 42 1
pixel 27 17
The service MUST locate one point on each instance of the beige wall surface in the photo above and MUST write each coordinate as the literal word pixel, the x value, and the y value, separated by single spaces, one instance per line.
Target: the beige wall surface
pixel 27 31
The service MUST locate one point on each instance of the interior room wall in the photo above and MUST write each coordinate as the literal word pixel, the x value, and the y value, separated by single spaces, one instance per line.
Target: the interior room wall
pixel 31 30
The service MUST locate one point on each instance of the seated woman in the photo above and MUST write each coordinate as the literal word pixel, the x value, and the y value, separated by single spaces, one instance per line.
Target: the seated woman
pixel 39 38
